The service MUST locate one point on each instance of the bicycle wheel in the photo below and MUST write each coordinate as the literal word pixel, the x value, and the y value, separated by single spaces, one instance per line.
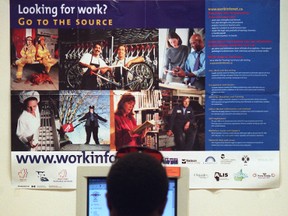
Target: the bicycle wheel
pixel 73 76
pixel 140 77
pixel 103 84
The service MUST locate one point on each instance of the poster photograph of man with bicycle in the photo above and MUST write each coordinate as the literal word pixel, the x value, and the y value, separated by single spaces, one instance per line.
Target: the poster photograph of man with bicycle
pixel 117 59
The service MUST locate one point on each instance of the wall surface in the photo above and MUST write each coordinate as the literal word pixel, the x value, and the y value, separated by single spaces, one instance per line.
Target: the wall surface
pixel 14 202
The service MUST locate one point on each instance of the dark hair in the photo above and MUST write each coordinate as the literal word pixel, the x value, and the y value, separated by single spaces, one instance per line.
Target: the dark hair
pixel 97 44
pixel 184 98
pixel 120 106
pixel 122 45
pixel 174 35
pixel 137 184
pixel 25 102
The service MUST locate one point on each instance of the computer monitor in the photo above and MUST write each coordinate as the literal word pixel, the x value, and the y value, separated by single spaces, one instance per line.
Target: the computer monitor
pixel 91 191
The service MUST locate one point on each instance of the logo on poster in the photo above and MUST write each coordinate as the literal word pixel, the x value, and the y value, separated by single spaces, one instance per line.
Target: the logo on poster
pixel 41 175
pixel 245 159
pixel 264 175
pixel 225 160
pixel 239 176
pixel 22 174
pixel 62 176
pixel 220 176
pixel 201 175
pixel 210 160
pixel 190 161
pixel 170 160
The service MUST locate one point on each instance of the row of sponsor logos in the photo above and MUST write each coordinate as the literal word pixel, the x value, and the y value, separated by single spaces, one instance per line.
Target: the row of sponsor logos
pixel 237 176
pixel 41 177
pixel 240 175
pixel 63 177
pixel 222 159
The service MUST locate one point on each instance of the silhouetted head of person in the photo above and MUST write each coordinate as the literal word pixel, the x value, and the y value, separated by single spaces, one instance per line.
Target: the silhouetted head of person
pixel 137 185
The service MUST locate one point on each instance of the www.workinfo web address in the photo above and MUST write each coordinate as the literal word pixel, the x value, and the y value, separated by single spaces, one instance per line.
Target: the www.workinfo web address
pixel 83 158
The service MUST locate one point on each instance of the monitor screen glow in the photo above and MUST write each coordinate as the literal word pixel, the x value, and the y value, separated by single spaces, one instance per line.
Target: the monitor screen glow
pixel 96 197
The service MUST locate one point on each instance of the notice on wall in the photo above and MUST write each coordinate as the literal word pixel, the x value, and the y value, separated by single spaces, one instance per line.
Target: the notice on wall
pixel 204 74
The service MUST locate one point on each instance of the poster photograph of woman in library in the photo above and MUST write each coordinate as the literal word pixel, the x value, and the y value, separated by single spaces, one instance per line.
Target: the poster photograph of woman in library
pixel 133 110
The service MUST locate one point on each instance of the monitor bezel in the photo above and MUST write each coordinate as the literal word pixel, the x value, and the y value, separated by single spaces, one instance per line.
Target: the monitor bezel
pixel 85 172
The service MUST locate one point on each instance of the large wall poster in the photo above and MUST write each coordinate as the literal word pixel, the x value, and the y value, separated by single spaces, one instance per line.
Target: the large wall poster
pixel 205 73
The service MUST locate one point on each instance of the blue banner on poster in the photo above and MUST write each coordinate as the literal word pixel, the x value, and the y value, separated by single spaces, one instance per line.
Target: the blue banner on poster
pixel 243 75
